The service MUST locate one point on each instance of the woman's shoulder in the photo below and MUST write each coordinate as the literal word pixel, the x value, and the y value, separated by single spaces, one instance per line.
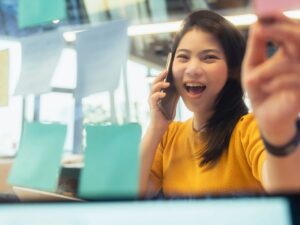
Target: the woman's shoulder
pixel 247 124
pixel 179 127
pixel 176 125
pixel 176 131
pixel 246 119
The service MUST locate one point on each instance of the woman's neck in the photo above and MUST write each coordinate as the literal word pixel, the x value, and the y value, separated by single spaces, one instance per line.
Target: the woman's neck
pixel 200 120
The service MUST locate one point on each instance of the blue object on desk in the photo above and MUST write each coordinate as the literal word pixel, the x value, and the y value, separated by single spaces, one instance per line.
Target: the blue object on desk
pixel 38 161
pixel 111 168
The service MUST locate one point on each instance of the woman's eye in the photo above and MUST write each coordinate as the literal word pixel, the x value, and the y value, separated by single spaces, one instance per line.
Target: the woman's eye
pixel 210 58
pixel 181 56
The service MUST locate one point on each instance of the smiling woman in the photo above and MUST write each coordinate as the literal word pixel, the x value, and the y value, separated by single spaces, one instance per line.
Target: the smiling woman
pixel 189 157
pixel 219 150
pixel 199 71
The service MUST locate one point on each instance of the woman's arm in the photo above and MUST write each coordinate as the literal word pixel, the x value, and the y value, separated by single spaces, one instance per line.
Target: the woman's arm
pixel 157 128
pixel 273 86
pixel 282 174
pixel 149 145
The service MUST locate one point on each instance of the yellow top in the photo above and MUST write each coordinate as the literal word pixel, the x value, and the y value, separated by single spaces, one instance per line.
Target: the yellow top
pixel 176 171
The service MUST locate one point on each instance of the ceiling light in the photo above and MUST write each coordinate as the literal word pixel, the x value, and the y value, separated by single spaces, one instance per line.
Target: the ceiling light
pixel 153 28
pixel 169 27
pixel 237 20
pixel 242 20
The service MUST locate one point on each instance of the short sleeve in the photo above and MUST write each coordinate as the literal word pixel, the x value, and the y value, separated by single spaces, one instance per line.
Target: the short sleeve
pixel 160 160
pixel 252 145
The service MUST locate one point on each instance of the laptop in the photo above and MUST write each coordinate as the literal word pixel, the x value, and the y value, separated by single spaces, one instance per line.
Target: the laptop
pixel 28 194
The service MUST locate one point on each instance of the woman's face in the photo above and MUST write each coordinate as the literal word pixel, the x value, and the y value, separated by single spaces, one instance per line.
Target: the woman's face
pixel 199 70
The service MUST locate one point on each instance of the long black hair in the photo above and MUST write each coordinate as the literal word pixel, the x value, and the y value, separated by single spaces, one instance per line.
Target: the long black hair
pixel 229 106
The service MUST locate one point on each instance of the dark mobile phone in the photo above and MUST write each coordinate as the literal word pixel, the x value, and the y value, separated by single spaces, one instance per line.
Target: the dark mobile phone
pixel 167 105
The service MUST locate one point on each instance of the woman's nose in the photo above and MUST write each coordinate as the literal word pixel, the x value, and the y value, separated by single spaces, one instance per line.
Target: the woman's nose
pixel 194 68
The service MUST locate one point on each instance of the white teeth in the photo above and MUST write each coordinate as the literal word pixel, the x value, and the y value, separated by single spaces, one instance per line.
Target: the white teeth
pixel 194 85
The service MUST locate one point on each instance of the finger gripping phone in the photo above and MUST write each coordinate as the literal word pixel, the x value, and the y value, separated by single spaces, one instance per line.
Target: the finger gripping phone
pixel 167 105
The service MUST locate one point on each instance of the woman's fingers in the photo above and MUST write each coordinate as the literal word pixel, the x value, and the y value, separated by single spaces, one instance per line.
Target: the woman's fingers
pixel 276 74
pixel 155 98
pixel 156 90
pixel 286 33
pixel 290 82
pixel 273 84
pixel 256 48
pixel 157 87
pixel 273 68
pixel 158 82
pixel 160 77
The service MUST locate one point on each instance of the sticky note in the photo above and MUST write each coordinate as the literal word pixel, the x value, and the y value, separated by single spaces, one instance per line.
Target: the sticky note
pixel 37 164
pixel 111 167
pixel 37 12
pixel 101 52
pixel 4 77
pixel 40 56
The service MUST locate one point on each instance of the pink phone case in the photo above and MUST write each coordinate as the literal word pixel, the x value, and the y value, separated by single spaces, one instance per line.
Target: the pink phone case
pixel 264 8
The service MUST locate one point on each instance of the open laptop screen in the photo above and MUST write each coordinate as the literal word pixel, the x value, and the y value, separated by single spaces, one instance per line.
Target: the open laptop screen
pixel 220 211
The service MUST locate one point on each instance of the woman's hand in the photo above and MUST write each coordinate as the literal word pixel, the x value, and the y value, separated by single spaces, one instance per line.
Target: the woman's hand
pixel 157 118
pixel 273 84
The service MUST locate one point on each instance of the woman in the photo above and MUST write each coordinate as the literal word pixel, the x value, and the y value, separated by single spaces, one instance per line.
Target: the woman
pixel 218 150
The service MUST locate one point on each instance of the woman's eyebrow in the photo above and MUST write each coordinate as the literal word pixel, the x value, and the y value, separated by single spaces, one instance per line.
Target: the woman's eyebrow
pixel 217 52
pixel 211 50
pixel 183 50
pixel 205 51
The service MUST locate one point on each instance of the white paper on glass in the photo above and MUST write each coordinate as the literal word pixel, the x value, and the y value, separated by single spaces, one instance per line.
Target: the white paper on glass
pixel 101 52
pixel 40 55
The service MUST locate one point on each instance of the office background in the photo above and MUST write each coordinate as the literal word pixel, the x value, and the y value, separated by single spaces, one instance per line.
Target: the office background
pixel 128 103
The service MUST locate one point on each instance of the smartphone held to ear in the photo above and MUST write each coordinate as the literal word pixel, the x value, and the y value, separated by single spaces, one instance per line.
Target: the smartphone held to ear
pixel 264 8
pixel 167 105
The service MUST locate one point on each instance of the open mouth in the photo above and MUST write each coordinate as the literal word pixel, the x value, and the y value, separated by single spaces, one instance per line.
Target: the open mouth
pixel 194 89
